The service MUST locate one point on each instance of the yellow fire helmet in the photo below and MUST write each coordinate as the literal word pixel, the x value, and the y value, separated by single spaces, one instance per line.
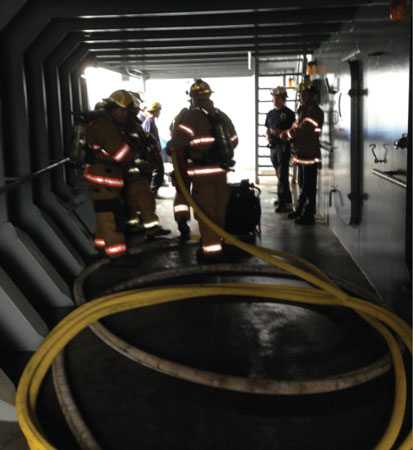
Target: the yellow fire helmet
pixel 306 85
pixel 156 106
pixel 122 98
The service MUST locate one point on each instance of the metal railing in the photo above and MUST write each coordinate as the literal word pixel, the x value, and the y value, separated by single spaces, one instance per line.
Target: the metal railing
pixel 389 176
pixel 24 179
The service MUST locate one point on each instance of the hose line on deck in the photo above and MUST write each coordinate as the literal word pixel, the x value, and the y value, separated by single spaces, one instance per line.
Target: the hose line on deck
pixel 96 309
pixel 325 292
pixel 310 386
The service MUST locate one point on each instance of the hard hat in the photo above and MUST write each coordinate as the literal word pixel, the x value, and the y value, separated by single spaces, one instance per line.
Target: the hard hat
pixel 123 99
pixel 155 107
pixel 279 90
pixel 200 89
pixel 306 85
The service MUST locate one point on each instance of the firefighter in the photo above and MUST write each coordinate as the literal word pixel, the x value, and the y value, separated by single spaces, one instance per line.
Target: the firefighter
pixel 208 138
pixel 140 205
pixel 305 133
pixel 134 223
pixel 112 170
pixel 279 119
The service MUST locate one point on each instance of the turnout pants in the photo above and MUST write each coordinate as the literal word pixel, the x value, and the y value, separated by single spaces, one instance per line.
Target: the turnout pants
pixel 181 207
pixel 109 210
pixel 211 193
pixel 140 200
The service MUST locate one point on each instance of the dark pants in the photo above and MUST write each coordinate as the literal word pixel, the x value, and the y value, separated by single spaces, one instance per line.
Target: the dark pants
pixel 307 180
pixel 158 174
pixel 280 158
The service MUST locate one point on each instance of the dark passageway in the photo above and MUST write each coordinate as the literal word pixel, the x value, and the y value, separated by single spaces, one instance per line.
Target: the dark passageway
pixel 358 55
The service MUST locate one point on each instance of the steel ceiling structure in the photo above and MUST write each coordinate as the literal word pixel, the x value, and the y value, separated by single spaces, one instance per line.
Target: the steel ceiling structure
pixel 222 39
pixel 185 38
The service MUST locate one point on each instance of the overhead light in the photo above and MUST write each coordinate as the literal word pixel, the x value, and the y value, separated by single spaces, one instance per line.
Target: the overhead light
pixel 398 10
pixel 351 55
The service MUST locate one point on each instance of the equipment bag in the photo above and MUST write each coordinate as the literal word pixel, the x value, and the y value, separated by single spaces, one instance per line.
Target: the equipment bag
pixel 222 151
pixel 243 215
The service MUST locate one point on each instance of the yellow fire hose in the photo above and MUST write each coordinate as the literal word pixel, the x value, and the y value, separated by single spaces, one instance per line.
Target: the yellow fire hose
pixel 325 293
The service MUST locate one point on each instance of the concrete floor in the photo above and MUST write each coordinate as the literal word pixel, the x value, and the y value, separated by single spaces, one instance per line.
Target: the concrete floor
pixel 128 406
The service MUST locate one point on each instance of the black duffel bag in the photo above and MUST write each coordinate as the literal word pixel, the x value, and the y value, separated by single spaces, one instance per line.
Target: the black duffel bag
pixel 243 215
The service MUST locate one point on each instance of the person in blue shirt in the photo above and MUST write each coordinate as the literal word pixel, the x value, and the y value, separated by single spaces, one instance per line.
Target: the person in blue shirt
pixel 280 119
pixel 149 126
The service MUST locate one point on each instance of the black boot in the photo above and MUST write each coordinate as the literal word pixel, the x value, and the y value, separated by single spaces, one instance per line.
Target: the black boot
pixel 184 230
pixel 294 215
pixel 305 219
pixel 282 208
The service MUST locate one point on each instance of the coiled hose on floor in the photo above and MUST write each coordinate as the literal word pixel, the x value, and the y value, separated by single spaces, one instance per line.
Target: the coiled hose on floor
pixel 325 292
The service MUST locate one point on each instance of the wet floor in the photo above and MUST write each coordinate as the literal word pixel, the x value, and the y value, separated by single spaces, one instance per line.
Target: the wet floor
pixel 128 406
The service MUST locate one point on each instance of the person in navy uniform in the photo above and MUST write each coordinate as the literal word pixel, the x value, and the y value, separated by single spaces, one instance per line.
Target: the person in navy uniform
pixel 149 126
pixel 278 120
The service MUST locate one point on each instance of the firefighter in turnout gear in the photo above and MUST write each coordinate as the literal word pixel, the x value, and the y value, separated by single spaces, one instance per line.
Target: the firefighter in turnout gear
pixel 208 138
pixel 305 134
pixel 148 151
pixel 109 172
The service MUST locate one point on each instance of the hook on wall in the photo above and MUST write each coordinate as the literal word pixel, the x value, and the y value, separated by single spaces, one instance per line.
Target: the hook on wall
pixel 373 146
pixel 377 160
